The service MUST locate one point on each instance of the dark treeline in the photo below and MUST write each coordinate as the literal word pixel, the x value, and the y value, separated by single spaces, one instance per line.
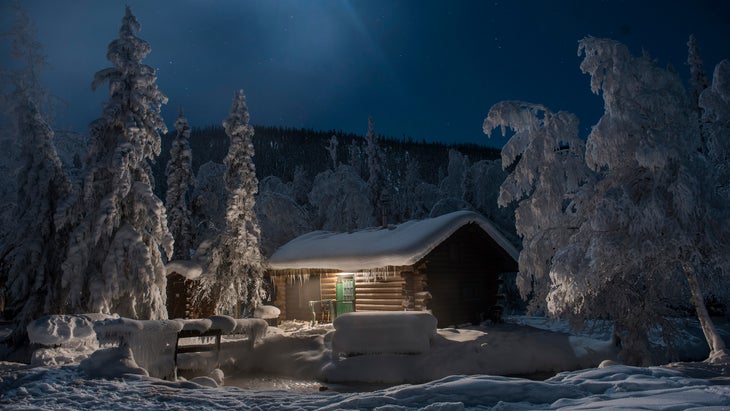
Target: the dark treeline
pixel 279 150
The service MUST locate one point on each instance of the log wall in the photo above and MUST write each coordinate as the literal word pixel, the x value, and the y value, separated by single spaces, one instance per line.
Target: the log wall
pixel 384 294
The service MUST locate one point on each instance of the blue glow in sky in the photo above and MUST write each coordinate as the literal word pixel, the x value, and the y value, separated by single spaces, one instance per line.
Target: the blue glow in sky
pixel 425 69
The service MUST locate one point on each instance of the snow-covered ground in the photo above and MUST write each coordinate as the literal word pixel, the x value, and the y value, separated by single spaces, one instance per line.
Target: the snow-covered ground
pixel 287 368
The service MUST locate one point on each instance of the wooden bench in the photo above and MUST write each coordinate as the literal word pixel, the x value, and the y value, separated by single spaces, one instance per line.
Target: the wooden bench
pixel 199 347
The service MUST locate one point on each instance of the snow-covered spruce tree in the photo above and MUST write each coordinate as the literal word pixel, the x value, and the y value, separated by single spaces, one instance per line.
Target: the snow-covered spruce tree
pixel 377 180
pixel 698 78
pixel 300 185
pixel 208 202
pixel 332 151
pixel 354 158
pixel 180 180
pixel 31 256
pixel 234 275
pixel 454 184
pixel 19 83
pixel 34 244
pixel 115 262
pixel 407 199
pixel 645 222
pixel 546 158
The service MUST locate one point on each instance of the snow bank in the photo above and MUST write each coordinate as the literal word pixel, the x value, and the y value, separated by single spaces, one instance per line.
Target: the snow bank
pixel 503 349
pixel 396 332
pixel 616 388
pixel 301 354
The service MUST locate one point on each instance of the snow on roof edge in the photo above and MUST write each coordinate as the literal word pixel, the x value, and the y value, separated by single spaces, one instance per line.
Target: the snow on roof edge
pixel 186 268
pixel 377 248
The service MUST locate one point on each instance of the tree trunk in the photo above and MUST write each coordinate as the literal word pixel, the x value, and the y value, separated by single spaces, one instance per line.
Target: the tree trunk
pixel 718 352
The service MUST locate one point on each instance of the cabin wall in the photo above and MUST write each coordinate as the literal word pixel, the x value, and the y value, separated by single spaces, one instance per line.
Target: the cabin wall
pixel 379 294
pixel 384 293
pixel 462 275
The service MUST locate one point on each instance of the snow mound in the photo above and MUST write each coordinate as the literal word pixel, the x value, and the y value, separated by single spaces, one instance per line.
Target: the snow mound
pixel 395 332
pixel 111 363
pixel 113 331
pixel 266 312
pixel 199 325
pixel 253 328
pixel 152 342
pixel 223 322
pixel 62 330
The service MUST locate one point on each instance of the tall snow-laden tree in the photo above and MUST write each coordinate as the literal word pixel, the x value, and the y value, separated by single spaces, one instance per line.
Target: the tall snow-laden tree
pixel 355 157
pixel 406 199
pixel 455 182
pixel 332 151
pixel 234 275
pixel 545 157
pixel 115 262
pixel 377 181
pixel 209 202
pixel 20 71
pixel 32 255
pixel 645 223
pixel 714 103
pixel 180 181
pixel 698 78
pixel 340 200
pixel 33 249
pixel 300 185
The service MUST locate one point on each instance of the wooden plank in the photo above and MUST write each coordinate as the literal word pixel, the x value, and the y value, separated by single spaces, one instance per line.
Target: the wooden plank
pixel 359 289
pixel 379 308
pixel 359 303
pixel 398 295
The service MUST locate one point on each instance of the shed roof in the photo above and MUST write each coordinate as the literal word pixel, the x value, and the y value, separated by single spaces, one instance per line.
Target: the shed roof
pixel 400 245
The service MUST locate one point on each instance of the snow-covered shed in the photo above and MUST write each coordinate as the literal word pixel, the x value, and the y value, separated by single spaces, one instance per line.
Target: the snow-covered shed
pixel 449 264
pixel 182 278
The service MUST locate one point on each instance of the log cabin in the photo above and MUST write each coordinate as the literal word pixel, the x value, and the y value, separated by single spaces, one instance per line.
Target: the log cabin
pixel 449 265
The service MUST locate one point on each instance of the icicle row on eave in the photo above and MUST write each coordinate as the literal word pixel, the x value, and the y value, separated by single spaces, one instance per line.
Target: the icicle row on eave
pixel 371 275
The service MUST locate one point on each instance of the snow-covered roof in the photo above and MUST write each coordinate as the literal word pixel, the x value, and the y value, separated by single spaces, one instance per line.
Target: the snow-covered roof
pixel 189 269
pixel 400 245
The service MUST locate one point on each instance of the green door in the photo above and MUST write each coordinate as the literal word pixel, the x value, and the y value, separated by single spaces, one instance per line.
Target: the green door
pixel 345 295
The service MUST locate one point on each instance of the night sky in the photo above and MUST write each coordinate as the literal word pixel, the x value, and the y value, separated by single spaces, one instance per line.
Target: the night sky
pixel 423 69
